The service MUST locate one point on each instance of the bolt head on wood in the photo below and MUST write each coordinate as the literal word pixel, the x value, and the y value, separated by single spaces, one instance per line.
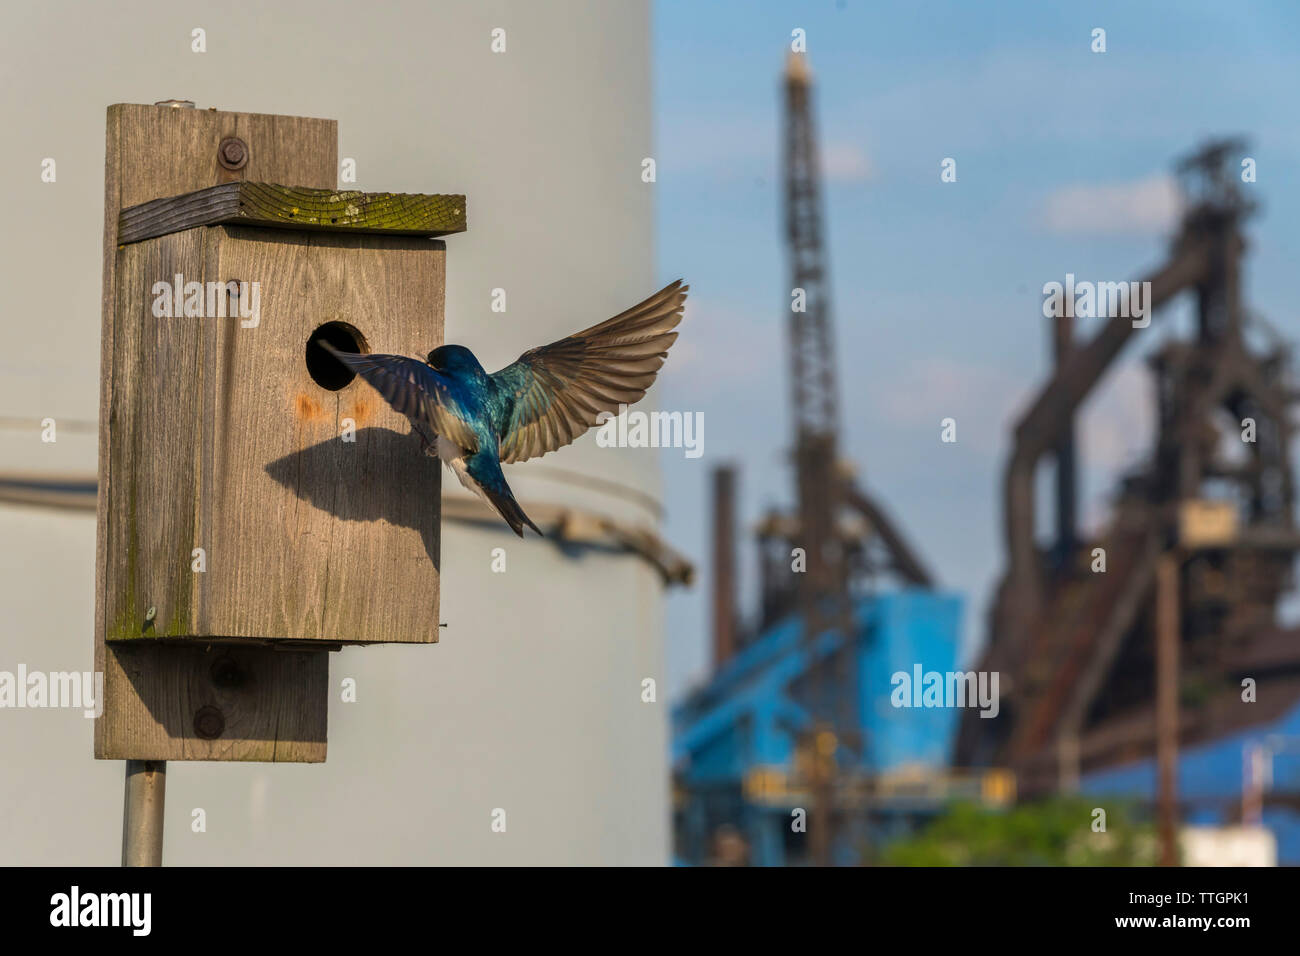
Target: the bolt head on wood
pixel 209 723
pixel 232 153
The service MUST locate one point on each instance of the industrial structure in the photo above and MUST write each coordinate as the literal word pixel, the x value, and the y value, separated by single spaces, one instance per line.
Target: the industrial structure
pixel 789 721
pixel 1126 643
pixel 1138 653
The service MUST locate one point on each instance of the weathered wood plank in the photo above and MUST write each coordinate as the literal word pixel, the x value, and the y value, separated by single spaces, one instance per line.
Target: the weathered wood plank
pixel 296 207
pixel 224 442
pixel 151 152
pixel 215 703
pixel 174 151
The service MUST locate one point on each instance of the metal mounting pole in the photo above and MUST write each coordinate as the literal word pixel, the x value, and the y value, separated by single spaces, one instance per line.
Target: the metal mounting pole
pixel 1168 633
pixel 142 812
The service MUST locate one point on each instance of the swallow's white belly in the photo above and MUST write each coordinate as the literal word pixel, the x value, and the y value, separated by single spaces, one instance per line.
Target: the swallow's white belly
pixel 453 456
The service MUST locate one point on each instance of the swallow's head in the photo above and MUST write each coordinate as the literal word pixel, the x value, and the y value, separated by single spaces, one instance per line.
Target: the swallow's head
pixel 454 358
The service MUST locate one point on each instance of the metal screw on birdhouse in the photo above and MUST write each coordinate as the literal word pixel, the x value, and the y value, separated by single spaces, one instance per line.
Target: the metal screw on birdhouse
pixel 209 723
pixel 232 153
pixel 149 617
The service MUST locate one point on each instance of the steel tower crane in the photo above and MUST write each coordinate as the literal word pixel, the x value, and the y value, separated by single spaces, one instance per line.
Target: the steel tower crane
pixel 834 559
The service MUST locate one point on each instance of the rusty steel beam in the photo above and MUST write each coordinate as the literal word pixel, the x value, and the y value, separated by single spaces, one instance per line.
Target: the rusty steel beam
pixel 1064 452
pixel 724 564
pixel 906 561
pixel 1083 690
pixel 1050 414
pixel 1168 637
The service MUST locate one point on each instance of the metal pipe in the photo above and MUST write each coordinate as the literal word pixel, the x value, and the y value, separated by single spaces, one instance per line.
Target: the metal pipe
pixel 142 812
pixel 724 565
pixel 906 559
pixel 1168 630
pixel 1066 522
pixel 1043 423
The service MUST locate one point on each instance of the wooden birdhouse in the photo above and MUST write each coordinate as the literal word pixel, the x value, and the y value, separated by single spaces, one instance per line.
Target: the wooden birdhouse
pixel 258 503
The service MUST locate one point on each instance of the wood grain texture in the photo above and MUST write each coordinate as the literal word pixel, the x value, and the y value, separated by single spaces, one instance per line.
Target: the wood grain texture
pixel 262 704
pixel 150 690
pixel 295 207
pixel 223 441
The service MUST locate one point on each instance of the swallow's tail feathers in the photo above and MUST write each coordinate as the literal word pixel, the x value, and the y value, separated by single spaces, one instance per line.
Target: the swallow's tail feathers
pixel 485 476
pixel 509 509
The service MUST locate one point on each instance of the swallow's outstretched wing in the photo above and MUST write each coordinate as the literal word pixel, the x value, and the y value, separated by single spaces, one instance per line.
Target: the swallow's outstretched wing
pixel 553 394
pixel 416 390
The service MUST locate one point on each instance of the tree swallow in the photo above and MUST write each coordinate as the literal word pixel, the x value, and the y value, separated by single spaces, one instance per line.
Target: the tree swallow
pixel 541 402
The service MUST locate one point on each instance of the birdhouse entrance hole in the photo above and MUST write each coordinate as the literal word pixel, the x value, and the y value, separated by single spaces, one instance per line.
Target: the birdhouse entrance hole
pixel 325 370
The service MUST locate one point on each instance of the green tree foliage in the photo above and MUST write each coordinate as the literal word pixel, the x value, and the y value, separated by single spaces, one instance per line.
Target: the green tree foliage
pixel 1057 832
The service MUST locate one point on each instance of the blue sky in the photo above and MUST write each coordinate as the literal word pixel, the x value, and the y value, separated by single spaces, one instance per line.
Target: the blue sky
pixel 1063 161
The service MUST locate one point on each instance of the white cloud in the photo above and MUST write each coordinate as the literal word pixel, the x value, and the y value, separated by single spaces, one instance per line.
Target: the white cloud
pixel 1118 425
pixel 846 163
pixel 924 392
pixel 1145 207
pixel 1114 427
pixel 1115 431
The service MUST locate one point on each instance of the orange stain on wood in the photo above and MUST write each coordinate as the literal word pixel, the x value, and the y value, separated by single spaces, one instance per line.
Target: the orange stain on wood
pixel 308 408
pixel 362 411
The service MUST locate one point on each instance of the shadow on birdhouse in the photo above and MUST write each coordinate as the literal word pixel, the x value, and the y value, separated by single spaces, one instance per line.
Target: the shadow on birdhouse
pixel 394 475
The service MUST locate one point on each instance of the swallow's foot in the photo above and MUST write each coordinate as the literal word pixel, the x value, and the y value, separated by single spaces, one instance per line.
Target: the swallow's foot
pixel 427 444
pixel 430 444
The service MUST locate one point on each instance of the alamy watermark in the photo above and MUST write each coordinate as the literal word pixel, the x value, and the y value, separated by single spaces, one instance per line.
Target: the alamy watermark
pixel 637 429
pixel 131 911
pixel 55 689
pixel 1090 299
pixel 208 300
pixel 922 688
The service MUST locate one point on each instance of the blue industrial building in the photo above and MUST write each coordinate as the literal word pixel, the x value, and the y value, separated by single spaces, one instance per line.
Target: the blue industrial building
pixel 736 739
pixel 1211 782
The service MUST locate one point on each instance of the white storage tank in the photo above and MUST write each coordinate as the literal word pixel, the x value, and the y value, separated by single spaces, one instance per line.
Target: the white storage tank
pixel 533 701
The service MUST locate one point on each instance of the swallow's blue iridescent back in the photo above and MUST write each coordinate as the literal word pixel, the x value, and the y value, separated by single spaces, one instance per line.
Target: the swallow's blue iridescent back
pixel 541 402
